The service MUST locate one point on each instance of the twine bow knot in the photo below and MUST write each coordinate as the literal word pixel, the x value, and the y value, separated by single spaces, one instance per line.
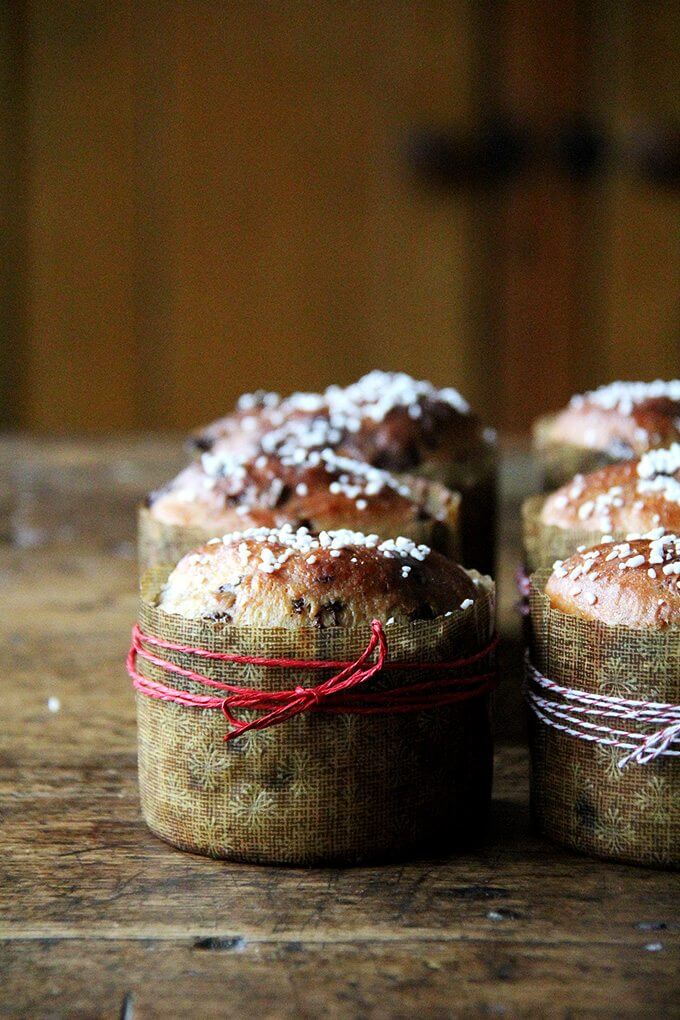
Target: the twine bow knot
pixel 282 705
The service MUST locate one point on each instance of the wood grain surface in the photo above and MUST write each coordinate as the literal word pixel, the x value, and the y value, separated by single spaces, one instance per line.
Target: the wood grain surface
pixel 98 918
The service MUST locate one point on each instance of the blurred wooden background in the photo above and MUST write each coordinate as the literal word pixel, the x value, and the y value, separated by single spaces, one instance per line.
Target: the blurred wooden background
pixel 203 197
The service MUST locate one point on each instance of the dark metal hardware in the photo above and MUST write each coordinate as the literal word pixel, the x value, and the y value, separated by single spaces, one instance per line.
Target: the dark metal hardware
pixel 578 147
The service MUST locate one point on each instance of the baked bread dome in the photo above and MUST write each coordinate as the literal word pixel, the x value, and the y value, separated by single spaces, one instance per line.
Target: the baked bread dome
pixel 316 489
pixel 623 419
pixel 256 414
pixel 396 422
pixel 387 419
pixel 284 578
pixel 390 421
pixel 634 496
pixel 620 501
pixel 610 424
pixel 632 584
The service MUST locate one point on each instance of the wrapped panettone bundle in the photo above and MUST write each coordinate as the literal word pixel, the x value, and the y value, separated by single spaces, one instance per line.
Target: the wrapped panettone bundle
pixel 613 423
pixel 312 488
pixel 632 498
pixel 390 421
pixel 603 686
pixel 312 699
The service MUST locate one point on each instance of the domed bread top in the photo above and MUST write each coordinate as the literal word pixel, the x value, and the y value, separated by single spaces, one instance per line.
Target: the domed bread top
pixel 634 584
pixel 623 419
pixel 387 419
pixel 635 496
pixel 286 578
pixel 314 488
pixel 396 422
pixel 256 414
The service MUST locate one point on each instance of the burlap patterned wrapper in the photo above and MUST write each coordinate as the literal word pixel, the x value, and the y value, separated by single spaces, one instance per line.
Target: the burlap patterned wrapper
pixel 545 543
pixel 579 796
pixel 159 543
pixel 559 462
pixel 319 788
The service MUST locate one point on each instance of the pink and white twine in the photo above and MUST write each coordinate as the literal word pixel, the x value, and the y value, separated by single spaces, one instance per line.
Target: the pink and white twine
pixel 583 715
pixel 523 585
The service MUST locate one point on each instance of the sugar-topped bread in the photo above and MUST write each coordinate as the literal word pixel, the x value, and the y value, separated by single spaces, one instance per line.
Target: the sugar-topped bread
pixel 317 489
pixel 399 423
pixel 387 419
pixel 635 496
pixel 286 578
pixel 622 419
pixel 256 414
pixel 634 583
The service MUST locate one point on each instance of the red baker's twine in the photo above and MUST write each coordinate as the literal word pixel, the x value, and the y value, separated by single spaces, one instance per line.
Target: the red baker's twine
pixel 334 695
pixel 568 715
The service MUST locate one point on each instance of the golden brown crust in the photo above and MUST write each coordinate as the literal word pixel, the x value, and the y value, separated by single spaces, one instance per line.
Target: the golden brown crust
pixel 400 443
pixel 386 419
pixel 321 492
pixel 632 584
pixel 240 433
pixel 293 580
pixel 616 498
pixel 622 419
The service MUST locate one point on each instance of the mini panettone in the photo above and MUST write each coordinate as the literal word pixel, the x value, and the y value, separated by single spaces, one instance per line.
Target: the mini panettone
pixel 388 420
pixel 628 499
pixel 628 584
pixel 387 755
pixel 285 578
pixel 316 489
pixel 603 684
pixel 610 424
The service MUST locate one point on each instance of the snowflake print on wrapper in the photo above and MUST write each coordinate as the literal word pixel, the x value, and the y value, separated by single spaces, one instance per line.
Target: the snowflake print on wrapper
pixel 616 679
pixel 212 835
pixel 657 801
pixel 615 833
pixel 253 806
pixel 306 771
pixel 436 724
pixel 178 796
pixel 186 726
pixel 252 743
pixel 349 726
pixel 207 763
pixel 581 779
pixel 249 675
pixel 649 678
pixel 608 759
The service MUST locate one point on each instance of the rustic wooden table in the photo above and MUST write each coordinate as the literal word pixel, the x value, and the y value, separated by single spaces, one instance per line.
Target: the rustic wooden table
pixel 99 918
